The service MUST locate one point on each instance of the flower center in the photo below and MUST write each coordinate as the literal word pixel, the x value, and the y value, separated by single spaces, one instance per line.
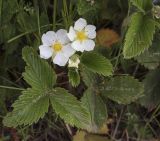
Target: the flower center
pixel 57 46
pixel 81 35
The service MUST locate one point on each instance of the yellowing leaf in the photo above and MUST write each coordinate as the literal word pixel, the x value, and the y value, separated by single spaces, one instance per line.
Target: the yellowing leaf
pixel 84 136
pixel 107 37
pixel 80 135
pixel 92 137
pixel 104 129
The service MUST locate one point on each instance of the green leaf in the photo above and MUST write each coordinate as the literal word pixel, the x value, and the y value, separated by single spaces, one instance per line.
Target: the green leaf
pixel 96 108
pixel 88 77
pixel 143 5
pixel 69 108
pixel 87 10
pixel 11 6
pixel 151 89
pixel 74 77
pixel 123 89
pixel 33 103
pixel 97 63
pixel 29 108
pixel 139 35
pixel 37 72
pixel 151 57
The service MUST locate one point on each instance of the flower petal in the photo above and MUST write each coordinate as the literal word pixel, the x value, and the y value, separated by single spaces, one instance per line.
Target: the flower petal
pixel 88 45
pixel 68 50
pixel 77 45
pixel 45 51
pixel 80 24
pixel 62 36
pixel 49 38
pixel 90 31
pixel 72 34
pixel 60 59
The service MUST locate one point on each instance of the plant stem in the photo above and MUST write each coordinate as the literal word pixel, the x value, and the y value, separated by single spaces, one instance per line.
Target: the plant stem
pixel 1 4
pixel 117 125
pixel 11 88
pixel 54 14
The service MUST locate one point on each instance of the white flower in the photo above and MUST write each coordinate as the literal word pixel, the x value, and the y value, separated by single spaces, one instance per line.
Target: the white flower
pixel 57 46
pixel 82 35
pixel 74 62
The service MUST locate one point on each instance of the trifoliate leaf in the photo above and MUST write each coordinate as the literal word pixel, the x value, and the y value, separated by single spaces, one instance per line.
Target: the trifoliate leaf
pixel 38 73
pixel 96 108
pixel 139 35
pixel 123 89
pixel 69 108
pixel 143 5
pixel 29 108
pixel 74 77
pixel 97 63
pixel 151 89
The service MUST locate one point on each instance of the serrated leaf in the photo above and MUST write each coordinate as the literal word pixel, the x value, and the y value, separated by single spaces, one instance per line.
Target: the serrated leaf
pixel 151 57
pixel 29 108
pixel 69 108
pixel 143 5
pixel 123 89
pixel 37 72
pixel 96 108
pixel 97 63
pixel 139 35
pixel 88 77
pixel 33 103
pixel 74 77
pixel 151 89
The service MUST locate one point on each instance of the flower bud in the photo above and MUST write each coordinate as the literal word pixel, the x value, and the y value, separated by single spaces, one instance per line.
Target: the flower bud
pixel 74 61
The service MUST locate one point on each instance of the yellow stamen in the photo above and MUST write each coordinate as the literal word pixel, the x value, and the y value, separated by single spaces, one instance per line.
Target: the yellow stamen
pixel 57 46
pixel 81 35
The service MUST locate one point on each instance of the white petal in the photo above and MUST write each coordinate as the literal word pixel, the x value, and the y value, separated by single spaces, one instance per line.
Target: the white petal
pixel 68 50
pixel 77 45
pixel 45 51
pixel 62 36
pixel 60 59
pixel 80 24
pixel 90 31
pixel 88 45
pixel 71 34
pixel 49 38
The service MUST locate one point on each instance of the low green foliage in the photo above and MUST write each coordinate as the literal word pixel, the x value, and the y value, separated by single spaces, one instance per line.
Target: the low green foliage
pixel 111 93
pixel 151 89
pixel 74 77
pixel 96 109
pixel 143 5
pixel 97 63
pixel 34 102
pixel 139 35
pixel 150 58
pixel 123 89
pixel 71 110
